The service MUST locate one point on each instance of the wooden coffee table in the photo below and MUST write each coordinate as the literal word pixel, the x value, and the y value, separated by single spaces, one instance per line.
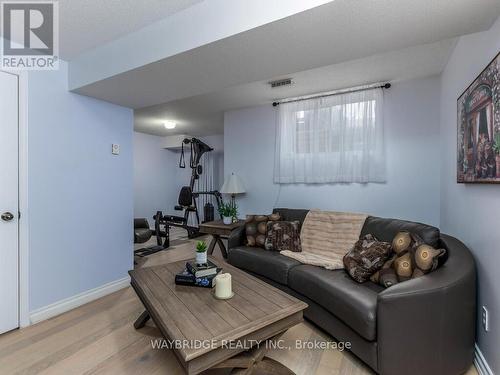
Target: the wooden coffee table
pixel 217 333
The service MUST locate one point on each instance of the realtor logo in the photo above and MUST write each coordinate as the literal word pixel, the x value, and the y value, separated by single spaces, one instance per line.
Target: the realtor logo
pixel 30 35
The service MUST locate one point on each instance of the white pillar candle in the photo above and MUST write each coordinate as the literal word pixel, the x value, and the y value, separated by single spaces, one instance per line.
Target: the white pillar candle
pixel 223 286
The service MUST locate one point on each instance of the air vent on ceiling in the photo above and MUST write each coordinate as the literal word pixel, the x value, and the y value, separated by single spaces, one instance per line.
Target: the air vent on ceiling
pixel 281 82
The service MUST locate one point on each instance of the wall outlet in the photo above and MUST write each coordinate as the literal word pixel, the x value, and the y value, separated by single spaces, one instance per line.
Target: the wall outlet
pixel 485 319
pixel 115 149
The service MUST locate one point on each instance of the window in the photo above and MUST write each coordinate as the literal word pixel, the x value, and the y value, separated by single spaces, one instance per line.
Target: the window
pixel 331 139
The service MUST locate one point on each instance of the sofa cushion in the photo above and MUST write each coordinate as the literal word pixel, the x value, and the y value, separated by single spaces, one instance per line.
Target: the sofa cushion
pixel 355 304
pixel 291 214
pixel 270 264
pixel 386 229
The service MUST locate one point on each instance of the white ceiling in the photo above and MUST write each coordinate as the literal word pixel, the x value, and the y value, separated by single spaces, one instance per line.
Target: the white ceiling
pixel 340 44
pixel 339 31
pixel 204 114
pixel 85 24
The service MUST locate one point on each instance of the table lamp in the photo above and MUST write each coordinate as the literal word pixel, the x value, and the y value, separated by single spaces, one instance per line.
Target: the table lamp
pixel 232 185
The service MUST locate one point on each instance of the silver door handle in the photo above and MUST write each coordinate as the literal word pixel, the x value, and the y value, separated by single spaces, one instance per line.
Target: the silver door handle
pixel 7 216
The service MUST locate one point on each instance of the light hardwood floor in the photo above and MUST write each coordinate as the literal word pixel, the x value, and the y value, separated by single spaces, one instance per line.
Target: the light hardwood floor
pixel 99 338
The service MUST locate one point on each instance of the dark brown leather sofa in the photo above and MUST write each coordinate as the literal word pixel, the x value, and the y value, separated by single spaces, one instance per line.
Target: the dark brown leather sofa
pixel 421 326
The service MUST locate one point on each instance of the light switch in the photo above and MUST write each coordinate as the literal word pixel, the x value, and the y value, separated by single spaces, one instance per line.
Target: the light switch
pixel 115 149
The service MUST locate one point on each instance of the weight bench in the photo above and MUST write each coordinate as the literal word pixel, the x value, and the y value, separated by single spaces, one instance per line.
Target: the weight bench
pixel 187 204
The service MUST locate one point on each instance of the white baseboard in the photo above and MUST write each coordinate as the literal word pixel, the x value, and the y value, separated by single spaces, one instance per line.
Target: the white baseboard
pixel 70 303
pixel 480 362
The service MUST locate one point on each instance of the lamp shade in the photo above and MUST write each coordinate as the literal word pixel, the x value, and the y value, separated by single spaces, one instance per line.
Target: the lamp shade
pixel 232 185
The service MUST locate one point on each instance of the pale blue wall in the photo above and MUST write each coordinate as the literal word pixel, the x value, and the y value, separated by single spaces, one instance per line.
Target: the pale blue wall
pixel 155 183
pixel 80 195
pixel 412 142
pixel 471 211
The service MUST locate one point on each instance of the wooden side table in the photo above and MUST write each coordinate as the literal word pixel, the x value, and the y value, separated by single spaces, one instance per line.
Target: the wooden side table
pixel 219 230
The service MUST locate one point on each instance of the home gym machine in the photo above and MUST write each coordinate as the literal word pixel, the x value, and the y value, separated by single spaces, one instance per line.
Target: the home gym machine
pixel 188 197
pixel 189 202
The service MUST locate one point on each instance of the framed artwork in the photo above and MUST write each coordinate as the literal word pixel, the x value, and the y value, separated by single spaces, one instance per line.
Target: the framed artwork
pixel 478 115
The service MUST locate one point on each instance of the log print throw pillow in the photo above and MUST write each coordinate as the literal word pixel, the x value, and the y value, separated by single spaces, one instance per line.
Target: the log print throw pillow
pixel 256 229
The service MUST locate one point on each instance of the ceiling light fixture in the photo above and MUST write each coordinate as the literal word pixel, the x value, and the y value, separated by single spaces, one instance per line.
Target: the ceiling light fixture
pixel 169 125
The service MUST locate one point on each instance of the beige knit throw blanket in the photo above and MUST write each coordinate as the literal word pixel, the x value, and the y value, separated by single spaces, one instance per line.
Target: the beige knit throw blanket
pixel 326 236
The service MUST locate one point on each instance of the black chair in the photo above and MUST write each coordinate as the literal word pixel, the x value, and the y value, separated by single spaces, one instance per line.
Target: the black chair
pixel 142 233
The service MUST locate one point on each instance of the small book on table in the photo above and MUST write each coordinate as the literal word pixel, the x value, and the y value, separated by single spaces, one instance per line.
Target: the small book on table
pixel 201 270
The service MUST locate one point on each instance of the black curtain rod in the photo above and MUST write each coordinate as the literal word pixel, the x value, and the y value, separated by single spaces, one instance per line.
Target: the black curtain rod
pixel 384 86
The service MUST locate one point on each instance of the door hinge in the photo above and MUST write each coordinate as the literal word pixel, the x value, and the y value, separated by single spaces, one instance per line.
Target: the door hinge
pixel 18 214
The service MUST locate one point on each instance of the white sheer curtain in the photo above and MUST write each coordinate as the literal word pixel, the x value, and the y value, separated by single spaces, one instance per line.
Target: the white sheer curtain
pixel 336 138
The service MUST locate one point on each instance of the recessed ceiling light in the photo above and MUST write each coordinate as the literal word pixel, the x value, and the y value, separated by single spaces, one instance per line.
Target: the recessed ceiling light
pixel 169 125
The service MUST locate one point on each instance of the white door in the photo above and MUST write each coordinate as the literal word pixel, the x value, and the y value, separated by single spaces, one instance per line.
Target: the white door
pixel 9 201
